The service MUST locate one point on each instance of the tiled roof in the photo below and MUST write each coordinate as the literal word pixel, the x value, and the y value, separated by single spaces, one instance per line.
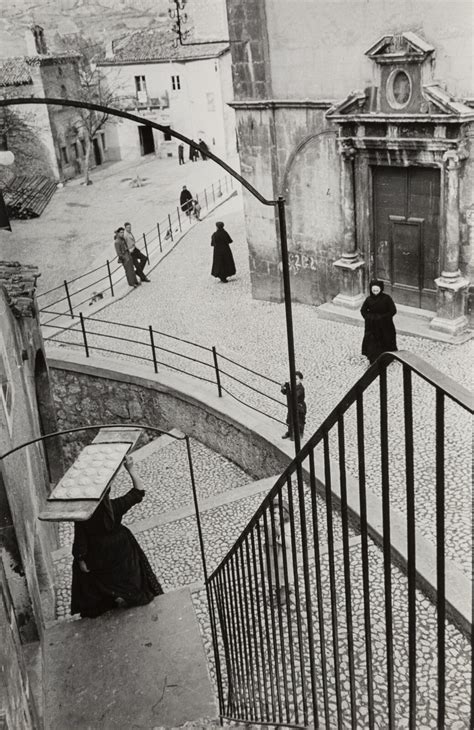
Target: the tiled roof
pixel 14 71
pixel 159 45
pixel 19 282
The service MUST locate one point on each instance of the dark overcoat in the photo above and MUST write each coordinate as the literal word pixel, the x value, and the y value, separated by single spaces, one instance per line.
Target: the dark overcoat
pixel 222 261
pixel 380 336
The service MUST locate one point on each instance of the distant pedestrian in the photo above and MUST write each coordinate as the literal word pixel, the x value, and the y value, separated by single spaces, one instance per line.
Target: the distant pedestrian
pixel 181 154
pixel 193 153
pixel 196 209
pixel 203 148
pixel 222 261
pixel 125 257
pixel 186 201
pixel 300 404
pixel 279 552
pixel 378 311
pixel 139 259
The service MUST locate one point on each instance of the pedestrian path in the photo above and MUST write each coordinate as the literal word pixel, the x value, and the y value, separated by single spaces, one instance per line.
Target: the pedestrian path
pixel 166 528
pixel 184 299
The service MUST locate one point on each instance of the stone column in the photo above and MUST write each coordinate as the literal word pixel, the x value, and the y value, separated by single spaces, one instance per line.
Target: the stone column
pixel 350 266
pixel 451 285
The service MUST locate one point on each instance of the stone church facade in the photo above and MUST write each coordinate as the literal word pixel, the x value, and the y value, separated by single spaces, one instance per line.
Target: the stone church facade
pixel 361 114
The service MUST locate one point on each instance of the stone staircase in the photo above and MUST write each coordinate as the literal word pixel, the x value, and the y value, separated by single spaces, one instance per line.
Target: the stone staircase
pixel 149 666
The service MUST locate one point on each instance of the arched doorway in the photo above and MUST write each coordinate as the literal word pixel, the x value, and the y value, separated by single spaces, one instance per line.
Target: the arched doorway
pixel 47 419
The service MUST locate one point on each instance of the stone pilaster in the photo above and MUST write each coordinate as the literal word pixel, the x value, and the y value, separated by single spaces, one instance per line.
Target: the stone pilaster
pixel 451 285
pixel 351 265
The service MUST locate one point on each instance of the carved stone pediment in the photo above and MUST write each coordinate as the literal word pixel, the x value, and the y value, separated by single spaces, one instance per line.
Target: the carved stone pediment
pixel 399 48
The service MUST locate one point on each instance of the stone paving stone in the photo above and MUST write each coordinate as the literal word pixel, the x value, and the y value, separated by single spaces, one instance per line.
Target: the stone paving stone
pixel 328 353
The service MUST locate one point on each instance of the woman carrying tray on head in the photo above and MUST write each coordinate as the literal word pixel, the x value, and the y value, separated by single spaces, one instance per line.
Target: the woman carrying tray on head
pixel 110 568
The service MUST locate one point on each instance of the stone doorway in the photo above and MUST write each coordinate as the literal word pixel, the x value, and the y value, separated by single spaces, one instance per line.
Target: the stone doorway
pixel 405 255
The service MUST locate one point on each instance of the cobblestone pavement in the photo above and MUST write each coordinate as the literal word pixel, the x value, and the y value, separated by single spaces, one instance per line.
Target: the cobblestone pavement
pixel 75 232
pixel 172 550
pixel 184 299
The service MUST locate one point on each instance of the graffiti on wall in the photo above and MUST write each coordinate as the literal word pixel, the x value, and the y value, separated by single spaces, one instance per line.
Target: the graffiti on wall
pixel 299 261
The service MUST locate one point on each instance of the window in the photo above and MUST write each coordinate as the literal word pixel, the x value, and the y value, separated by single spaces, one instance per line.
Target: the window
pixel 175 83
pixel 399 88
pixel 75 150
pixel 167 136
pixel 3 142
pixel 211 102
pixel 6 392
pixel 140 83
pixel 63 92
pixel 104 144
pixel 83 145
pixel 64 155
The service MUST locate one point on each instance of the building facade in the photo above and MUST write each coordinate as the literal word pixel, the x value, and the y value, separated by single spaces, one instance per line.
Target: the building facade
pixel 186 88
pixel 361 115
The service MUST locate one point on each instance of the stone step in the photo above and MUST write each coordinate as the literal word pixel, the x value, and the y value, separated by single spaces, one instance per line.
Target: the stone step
pixel 140 667
pixel 152 447
pixel 408 321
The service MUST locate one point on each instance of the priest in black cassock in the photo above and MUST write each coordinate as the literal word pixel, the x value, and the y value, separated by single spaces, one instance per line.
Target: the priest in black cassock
pixel 222 262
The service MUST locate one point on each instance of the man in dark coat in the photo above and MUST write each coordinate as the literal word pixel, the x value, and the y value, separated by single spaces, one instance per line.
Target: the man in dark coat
pixel 186 201
pixel 110 569
pixel 204 149
pixel 181 154
pixel 378 311
pixel 300 403
pixel 222 261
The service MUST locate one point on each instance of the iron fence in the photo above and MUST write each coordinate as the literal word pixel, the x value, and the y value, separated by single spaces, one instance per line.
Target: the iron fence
pixel 319 621
pixel 159 349
pixel 99 282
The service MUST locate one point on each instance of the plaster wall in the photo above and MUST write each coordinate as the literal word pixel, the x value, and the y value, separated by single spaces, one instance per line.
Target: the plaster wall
pixel 317 48
pixel 25 477
pixel 197 109
pixel 16 706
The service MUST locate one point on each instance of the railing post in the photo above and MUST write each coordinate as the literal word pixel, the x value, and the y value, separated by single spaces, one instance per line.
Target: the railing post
pixel 205 195
pixel 216 367
pixel 68 299
pixel 171 226
pixel 83 328
pixel 152 341
pixel 226 183
pixel 219 194
pixel 110 278
pixel 146 247
pixel 213 194
pixel 159 237
pixel 179 218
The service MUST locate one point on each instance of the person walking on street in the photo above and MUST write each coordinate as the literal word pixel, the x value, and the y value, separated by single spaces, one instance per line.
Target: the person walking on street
pixel 186 201
pixel 125 257
pixel 193 153
pixel 204 148
pixel 378 311
pixel 222 261
pixel 279 554
pixel 300 404
pixel 139 259
pixel 181 154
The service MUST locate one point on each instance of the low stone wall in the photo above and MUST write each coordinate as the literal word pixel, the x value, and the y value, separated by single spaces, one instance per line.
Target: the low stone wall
pixel 88 390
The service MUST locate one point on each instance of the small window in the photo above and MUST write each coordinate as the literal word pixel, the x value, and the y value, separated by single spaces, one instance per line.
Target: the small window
pixel 63 92
pixel 211 102
pixel 60 71
pixel 64 155
pixel 167 136
pixel 3 142
pixel 83 145
pixel 175 83
pixel 75 150
pixel 140 83
pixel 104 144
pixel 6 392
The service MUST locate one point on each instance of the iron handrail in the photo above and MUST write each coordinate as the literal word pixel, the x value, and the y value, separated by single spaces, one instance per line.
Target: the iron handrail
pixel 458 393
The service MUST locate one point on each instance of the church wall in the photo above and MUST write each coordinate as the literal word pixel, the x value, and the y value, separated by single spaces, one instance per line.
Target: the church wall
pixel 317 49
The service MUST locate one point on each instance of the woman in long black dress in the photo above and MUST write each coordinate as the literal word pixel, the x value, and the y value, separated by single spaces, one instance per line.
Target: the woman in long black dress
pixel 222 261
pixel 110 568
pixel 378 311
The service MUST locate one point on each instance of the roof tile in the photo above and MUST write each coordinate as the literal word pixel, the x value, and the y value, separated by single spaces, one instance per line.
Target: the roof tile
pixel 156 44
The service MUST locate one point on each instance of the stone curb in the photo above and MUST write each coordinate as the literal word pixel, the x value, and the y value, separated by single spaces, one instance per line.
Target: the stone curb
pixel 259 431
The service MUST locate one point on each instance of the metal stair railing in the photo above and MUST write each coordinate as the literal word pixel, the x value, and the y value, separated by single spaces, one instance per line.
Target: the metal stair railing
pixel 314 621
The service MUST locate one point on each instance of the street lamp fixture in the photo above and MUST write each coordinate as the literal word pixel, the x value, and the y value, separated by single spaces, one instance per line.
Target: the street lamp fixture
pixel 180 18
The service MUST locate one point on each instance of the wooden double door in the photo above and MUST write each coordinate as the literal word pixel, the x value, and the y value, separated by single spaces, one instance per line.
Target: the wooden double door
pixel 406 204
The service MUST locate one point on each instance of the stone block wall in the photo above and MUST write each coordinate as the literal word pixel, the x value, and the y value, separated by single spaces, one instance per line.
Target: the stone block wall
pixel 250 51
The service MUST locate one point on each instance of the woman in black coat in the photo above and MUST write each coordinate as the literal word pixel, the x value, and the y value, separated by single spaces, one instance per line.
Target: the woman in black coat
pixel 222 262
pixel 378 311
pixel 110 568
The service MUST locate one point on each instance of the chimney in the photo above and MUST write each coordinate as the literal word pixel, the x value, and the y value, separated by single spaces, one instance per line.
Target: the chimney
pixel 35 41
pixel 109 49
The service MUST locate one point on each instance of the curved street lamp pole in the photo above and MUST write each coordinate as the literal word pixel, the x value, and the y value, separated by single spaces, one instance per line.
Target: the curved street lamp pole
pixel 279 204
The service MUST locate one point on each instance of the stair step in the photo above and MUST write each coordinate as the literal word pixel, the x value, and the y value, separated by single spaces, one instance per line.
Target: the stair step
pixel 141 667
pixel 156 445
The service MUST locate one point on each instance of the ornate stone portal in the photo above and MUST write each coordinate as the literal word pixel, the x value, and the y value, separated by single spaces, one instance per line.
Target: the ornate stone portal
pixel 403 151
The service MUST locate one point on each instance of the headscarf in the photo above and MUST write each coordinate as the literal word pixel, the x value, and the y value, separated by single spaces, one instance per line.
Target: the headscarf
pixel 376 282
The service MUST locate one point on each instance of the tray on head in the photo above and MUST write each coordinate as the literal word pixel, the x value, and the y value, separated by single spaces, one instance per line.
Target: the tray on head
pixel 79 492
